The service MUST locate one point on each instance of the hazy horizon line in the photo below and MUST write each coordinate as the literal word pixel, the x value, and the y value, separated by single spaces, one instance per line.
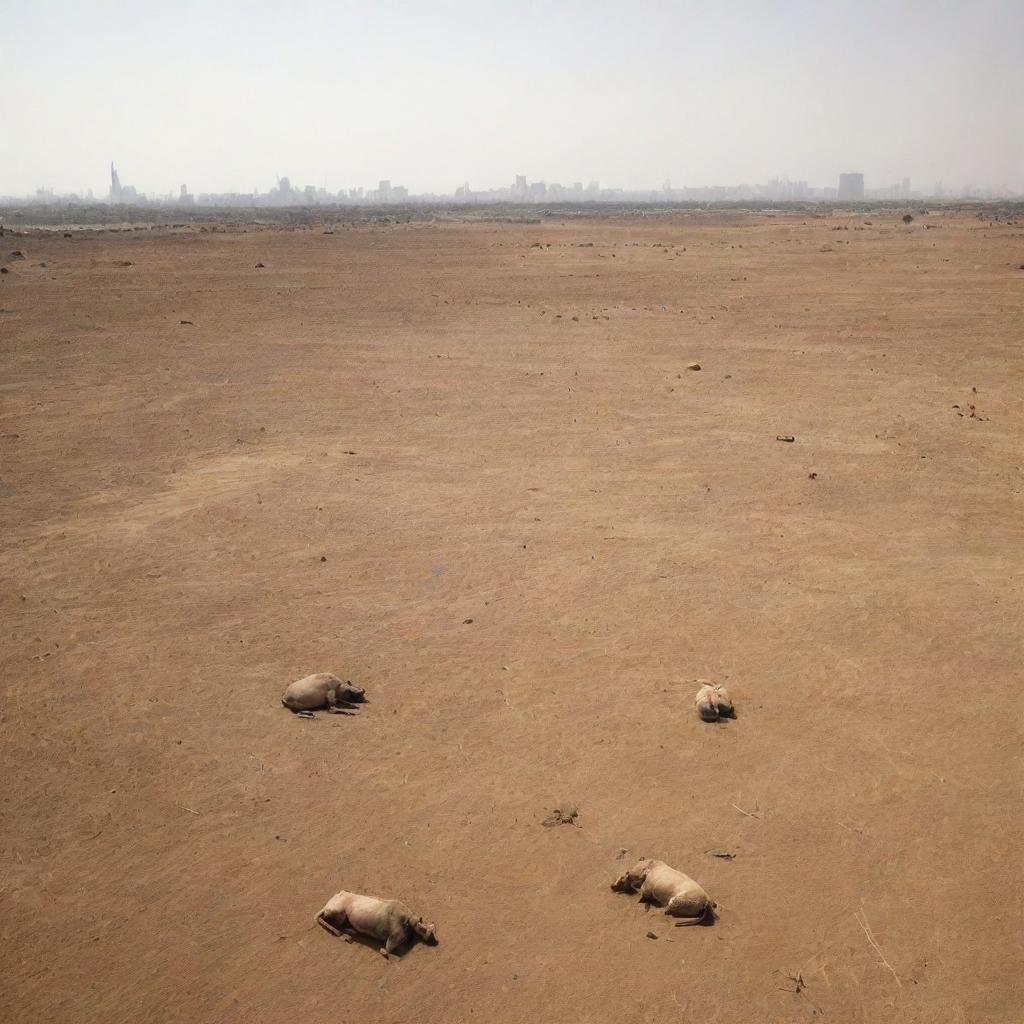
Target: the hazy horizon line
pixel 356 192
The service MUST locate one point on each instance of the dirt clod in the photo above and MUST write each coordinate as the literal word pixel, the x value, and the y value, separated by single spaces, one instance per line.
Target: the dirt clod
pixel 563 814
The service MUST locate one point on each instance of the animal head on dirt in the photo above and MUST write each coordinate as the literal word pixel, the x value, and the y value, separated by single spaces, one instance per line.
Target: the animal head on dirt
pixel 425 932
pixel 353 694
pixel 631 880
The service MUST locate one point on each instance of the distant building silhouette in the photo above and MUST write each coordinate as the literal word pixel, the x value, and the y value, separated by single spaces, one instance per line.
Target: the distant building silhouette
pixel 521 190
pixel 120 193
pixel 851 186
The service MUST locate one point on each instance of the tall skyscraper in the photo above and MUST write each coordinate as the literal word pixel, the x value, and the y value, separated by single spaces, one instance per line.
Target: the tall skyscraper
pixel 121 193
pixel 851 186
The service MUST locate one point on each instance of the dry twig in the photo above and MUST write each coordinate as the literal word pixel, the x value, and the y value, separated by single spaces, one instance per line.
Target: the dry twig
pixel 862 920
pixel 750 814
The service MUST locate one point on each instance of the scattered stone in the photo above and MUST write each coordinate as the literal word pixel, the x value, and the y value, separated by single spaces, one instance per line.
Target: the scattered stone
pixel 812 476
pixel 186 322
pixel 651 935
pixel 563 814
pixel 323 558
pixel 788 438
pixel 723 854
pixel 467 622
pixel 693 366
pixel 4 270
pixel 259 266
pixel 17 255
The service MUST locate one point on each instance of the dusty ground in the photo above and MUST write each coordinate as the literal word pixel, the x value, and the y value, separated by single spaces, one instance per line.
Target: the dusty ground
pixel 418 405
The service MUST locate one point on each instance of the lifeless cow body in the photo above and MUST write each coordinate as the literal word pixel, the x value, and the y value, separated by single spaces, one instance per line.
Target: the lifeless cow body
pixel 713 702
pixel 665 887
pixel 322 690
pixel 388 920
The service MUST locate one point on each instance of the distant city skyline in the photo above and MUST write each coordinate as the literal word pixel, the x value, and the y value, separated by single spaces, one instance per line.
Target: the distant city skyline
pixel 851 186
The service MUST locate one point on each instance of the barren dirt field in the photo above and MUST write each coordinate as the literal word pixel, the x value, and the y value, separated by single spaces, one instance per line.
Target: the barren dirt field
pixel 465 466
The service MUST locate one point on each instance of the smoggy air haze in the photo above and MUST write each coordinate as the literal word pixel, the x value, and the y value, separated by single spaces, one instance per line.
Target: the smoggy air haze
pixel 223 95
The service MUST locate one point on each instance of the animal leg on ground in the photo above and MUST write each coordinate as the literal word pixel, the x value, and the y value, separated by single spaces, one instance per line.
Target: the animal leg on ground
pixel 395 939
pixel 336 707
pixel 336 931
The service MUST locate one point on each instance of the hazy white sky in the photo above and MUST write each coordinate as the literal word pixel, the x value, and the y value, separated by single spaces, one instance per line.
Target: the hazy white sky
pixel 223 94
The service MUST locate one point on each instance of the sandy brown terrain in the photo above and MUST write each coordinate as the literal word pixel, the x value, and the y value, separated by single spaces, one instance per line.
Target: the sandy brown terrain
pixel 464 466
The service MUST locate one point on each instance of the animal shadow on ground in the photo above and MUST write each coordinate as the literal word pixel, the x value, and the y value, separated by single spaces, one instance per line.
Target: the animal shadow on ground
pixel 707 921
pixel 321 711
pixel 358 939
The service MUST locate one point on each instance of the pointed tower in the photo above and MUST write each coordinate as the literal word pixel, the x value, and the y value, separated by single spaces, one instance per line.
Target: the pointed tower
pixel 115 184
